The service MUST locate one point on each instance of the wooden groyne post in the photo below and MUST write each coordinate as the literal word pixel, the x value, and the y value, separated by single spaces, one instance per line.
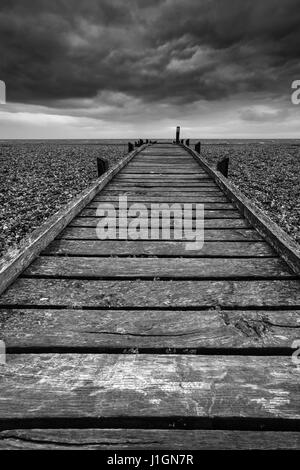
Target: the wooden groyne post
pixel 198 147
pixel 102 166
pixel 177 134
pixel 222 166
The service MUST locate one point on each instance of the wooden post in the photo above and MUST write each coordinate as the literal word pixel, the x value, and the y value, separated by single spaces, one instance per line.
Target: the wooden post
pixel 187 142
pixel 198 147
pixel 130 147
pixel 177 134
pixel 222 166
pixel 102 166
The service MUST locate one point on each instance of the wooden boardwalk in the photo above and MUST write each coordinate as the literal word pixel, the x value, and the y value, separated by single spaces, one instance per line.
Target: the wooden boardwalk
pixel 143 344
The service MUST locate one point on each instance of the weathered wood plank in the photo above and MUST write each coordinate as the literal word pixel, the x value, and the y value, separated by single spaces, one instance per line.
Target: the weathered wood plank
pixel 168 188
pixel 149 329
pixel 155 248
pixel 168 171
pixel 146 183
pixel 190 163
pixel 156 180
pixel 184 157
pixel 147 177
pixel 150 294
pixel 145 439
pixel 208 214
pixel 90 233
pixel 165 167
pixel 165 153
pixel 166 159
pixel 95 386
pixel 153 200
pixel 209 223
pixel 211 196
pixel 164 163
pixel 153 176
pixel 89 267
pixel 162 197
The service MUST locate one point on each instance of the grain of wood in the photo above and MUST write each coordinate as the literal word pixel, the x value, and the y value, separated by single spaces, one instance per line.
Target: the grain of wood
pixel 146 439
pixel 95 386
pixel 209 223
pixel 154 200
pixel 153 329
pixel 176 178
pixel 208 214
pixel 155 248
pixel 90 233
pixel 162 198
pixel 199 268
pixel 166 188
pixel 147 183
pixel 166 171
pixel 207 196
pixel 151 294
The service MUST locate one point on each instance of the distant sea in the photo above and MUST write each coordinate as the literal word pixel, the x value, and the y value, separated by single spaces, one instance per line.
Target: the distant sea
pixel 125 141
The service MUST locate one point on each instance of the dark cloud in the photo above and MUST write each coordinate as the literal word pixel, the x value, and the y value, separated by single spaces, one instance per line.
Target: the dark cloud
pixel 169 51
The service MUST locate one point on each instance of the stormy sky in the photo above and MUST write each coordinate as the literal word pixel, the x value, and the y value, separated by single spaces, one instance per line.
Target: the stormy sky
pixel 138 68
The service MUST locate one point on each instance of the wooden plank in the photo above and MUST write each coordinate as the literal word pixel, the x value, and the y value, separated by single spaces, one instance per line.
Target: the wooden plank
pixel 90 233
pixel 155 248
pixel 154 200
pixel 164 192
pixel 151 294
pixel 144 182
pixel 154 176
pixel 15 261
pixel 209 223
pixel 167 171
pixel 208 214
pixel 166 197
pixel 199 268
pixel 161 330
pixel 97 386
pixel 148 177
pixel 278 238
pixel 183 158
pixel 164 161
pixel 188 163
pixel 158 180
pixel 166 153
pixel 146 439
pixel 164 167
pixel 165 188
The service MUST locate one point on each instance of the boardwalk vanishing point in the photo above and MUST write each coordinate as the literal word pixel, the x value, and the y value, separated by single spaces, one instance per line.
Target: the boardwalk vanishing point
pixel 142 344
